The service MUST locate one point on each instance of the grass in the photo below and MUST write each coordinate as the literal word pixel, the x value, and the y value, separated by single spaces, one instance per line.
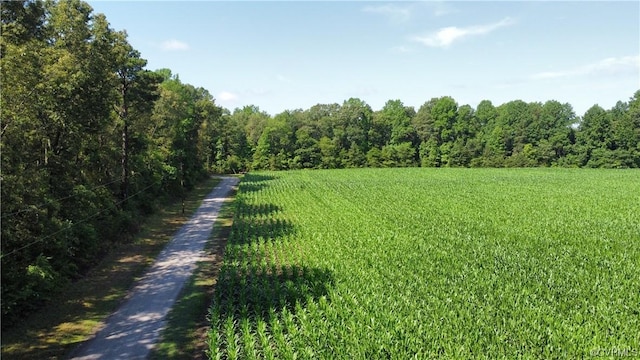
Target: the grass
pixel 77 313
pixel 185 334
pixel 430 263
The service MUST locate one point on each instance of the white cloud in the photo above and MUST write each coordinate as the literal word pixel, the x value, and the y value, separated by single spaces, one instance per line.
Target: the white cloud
pixel 441 8
pixel 448 35
pixel 257 92
pixel 403 13
pixel 606 66
pixel 283 79
pixel 174 45
pixel 401 49
pixel 394 12
pixel 362 91
pixel 227 96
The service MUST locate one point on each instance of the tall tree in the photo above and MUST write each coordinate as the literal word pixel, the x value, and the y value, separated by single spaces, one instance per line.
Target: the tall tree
pixel 434 124
pixel 353 122
pixel 398 118
pixel 555 134
pixel 630 131
pixel 137 90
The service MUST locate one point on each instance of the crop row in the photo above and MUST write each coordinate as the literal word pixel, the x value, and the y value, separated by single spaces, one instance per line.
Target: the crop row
pixel 419 263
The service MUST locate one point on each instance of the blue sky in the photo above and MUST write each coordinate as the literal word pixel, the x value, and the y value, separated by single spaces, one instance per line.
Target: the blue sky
pixel 295 54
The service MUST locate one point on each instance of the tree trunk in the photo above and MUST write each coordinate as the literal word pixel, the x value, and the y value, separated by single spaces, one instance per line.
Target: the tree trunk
pixel 124 185
pixel 124 178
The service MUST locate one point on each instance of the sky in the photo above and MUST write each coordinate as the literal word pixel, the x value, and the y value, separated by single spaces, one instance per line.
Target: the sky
pixel 286 55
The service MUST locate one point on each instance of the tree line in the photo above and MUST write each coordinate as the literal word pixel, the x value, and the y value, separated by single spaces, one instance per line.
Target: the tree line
pixel 441 133
pixel 91 141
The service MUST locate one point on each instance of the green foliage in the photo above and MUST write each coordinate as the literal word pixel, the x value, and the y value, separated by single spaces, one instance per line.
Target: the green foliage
pixel 400 155
pixel 91 138
pixel 86 148
pixel 377 263
pixel 440 134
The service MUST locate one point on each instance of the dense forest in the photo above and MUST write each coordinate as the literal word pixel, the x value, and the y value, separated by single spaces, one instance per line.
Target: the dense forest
pixel 91 141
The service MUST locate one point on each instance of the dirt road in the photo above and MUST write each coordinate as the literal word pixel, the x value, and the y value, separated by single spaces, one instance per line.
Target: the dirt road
pixel 132 331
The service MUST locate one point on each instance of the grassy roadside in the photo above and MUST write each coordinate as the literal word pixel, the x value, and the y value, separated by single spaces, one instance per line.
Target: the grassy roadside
pixel 74 315
pixel 186 331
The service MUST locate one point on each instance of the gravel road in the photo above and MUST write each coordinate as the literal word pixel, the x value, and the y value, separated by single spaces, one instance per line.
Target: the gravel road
pixel 132 331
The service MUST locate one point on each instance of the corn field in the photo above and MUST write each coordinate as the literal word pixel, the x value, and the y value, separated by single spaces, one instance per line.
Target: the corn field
pixel 428 263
